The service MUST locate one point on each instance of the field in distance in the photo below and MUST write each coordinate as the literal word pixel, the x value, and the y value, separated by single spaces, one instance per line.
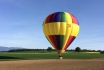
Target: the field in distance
pixel 30 55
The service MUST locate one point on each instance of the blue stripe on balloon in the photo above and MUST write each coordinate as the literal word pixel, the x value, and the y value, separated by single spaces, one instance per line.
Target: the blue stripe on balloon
pixel 58 41
pixel 57 17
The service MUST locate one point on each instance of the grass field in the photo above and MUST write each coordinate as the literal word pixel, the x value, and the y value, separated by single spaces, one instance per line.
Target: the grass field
pixel 39 60
pixel 27 55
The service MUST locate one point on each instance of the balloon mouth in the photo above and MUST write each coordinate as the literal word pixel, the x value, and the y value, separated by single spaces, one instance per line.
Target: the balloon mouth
pixel 60 55
pixel 60 52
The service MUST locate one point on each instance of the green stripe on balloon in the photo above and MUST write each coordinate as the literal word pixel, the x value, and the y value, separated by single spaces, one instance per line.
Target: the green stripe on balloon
pixel 61 41
pixel 63 17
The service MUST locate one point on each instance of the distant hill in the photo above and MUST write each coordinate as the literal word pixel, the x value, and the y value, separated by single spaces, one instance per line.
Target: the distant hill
pixel 9 48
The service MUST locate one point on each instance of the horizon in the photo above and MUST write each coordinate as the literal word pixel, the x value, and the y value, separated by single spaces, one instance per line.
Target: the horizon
pixel 44 48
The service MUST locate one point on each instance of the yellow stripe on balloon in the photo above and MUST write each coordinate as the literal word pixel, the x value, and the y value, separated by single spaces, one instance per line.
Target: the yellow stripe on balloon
pixel 75 30
pixel 51 28
pixel 46 26
pixel 62 28
pixel 68 18
pixel 68 28
pixel 57 28
pixel 44 30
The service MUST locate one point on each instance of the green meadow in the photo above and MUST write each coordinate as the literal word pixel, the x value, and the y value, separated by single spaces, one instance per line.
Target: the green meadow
pixel 34 55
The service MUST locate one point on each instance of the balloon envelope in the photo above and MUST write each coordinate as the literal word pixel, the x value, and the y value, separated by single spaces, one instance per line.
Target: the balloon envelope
pixel 60 28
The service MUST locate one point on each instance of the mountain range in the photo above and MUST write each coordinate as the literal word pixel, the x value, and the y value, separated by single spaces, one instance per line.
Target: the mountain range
pixel 2 48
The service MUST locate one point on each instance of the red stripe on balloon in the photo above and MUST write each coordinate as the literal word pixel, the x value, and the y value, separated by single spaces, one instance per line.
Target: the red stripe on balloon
pixel 74 20
pixel 52 17
pixel 53 40
pixel 48 19
pixel 70 40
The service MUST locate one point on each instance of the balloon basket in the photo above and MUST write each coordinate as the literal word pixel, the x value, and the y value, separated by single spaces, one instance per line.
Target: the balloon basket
pixel 60 57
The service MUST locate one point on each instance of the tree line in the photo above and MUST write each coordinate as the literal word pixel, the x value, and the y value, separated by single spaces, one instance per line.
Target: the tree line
pixel 77 49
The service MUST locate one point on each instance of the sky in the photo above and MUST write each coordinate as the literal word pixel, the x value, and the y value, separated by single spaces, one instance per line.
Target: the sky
pixel 21 22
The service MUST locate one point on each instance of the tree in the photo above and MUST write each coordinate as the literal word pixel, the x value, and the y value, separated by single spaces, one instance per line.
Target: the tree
pixel 78 49
pixel 49 49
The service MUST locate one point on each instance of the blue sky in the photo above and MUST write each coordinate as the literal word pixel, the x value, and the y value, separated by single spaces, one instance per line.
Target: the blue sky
pixel 21 22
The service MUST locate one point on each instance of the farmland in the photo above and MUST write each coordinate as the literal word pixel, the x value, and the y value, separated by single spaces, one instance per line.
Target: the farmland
pixel 31 55
pixel 43 60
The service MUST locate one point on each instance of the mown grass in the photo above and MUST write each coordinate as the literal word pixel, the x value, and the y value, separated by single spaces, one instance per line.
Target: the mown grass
pixel 93 52
pixel 26 55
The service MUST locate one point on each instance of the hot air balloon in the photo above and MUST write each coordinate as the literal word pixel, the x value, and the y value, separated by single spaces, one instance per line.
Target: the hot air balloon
pixel 60 28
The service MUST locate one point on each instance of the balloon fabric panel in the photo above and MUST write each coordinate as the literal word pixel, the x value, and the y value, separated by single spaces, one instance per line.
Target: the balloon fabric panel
pixel 70 40
pixel 56 17
pixel 74 20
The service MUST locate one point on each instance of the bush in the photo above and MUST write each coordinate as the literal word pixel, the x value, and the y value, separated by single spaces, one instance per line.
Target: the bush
pixel 78 49
pixel 49 49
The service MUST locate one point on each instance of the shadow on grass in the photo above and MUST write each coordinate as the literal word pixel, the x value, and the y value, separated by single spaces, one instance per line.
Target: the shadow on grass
pixel 9 57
